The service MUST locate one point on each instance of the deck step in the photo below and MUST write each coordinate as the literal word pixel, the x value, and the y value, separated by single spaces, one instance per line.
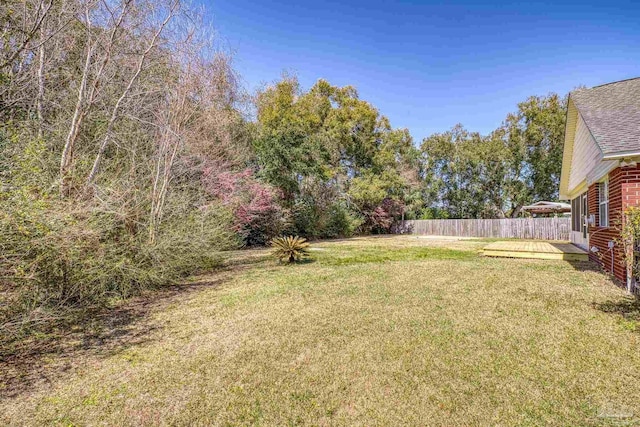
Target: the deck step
pixel 535 250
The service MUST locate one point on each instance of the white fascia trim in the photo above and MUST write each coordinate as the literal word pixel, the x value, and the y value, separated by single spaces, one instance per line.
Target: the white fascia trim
pixel 621 155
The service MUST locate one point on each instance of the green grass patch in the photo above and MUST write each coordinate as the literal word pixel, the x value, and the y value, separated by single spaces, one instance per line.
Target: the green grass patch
pixel 348 255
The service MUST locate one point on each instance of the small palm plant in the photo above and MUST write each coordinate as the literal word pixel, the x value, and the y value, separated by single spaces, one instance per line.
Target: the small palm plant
pixel 290 248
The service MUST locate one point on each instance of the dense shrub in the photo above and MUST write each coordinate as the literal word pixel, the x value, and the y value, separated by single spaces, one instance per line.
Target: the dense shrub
pixel 57 256
pixel 382 217
pixel 320 212
pixel 257 215
pixel 378 211
pixel 342 222
pixel 320 223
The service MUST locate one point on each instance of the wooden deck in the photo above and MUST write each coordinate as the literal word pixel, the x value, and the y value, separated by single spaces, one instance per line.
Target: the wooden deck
pixel 536 250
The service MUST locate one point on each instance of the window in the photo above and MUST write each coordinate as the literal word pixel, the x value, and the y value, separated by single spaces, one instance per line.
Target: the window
pixel 575 214
pixel 603 196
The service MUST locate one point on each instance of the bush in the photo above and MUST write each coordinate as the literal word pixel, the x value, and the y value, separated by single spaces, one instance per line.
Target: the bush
pixel 257 216
pixel 314 221
pixel 290 248
pixel 56 256
pixel 193 243
pixel 342 222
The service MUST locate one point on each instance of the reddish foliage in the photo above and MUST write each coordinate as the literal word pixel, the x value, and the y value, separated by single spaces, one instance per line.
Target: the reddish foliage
pixel 381 219
pixel 257 215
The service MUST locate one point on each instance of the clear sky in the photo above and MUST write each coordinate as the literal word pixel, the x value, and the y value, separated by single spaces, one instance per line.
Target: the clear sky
pixel 430 65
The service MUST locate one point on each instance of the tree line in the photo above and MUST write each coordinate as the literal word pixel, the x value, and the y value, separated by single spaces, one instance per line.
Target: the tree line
pixel 326 150
pixel 131 155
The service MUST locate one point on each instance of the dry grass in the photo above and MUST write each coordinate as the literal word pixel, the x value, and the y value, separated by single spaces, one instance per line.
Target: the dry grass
pixel 385 331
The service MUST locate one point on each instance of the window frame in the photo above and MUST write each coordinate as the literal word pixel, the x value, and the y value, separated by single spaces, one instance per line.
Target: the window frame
pixel 576 217
pixel 603 203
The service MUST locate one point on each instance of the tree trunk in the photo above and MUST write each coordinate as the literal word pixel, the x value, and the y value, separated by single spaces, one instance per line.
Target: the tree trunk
pixel 74 129
pixel 116 109
pixel 40 98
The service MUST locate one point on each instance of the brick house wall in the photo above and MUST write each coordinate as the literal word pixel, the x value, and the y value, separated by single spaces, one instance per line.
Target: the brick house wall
pixel 624 191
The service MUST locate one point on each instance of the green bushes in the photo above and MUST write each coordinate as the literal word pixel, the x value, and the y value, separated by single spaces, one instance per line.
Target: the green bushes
pixel 312 209
pixel 194 243
pixel 341 222
pixel 322 222
pixel 56 256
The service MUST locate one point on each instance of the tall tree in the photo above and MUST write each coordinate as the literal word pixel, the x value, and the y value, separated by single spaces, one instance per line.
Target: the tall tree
pixel 496 175
pixel 328 140
pixel 327 133
pixel 535 137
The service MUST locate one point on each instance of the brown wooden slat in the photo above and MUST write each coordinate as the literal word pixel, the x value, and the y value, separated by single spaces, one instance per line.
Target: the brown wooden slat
pixel 521 228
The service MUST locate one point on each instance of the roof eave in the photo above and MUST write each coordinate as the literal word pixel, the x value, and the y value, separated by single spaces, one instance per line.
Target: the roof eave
pixel 618 155
pixel 567 155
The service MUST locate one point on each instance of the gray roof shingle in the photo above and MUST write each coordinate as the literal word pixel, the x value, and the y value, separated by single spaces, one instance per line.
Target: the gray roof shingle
pixel 612 114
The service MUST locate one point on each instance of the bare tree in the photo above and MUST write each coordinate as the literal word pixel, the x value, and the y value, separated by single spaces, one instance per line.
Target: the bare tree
pixel 87 92
pixel 22 33
pixel 197 117
pixel 173 9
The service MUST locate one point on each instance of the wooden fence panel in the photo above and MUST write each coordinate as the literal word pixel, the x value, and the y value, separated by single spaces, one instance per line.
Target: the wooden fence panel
pixel 520 228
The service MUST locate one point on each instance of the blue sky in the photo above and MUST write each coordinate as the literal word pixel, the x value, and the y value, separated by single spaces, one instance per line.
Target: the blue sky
pixel 430 65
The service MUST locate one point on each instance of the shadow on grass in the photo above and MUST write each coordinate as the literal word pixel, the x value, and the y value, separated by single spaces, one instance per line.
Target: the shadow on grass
pixel 62 344
pixel 586 266
pixel 628 308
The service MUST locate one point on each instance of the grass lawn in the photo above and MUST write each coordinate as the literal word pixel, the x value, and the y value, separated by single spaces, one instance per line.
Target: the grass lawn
pixel 374 331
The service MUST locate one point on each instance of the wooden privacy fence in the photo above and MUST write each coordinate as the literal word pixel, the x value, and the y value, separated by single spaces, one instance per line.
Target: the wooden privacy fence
pixel 521 228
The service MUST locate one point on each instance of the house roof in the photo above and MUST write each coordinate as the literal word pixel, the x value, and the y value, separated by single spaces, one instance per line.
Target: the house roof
pixel 612 114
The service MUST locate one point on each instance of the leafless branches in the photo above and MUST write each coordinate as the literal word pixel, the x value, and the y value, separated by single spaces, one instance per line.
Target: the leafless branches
pixel 173 9
pixel 21 32
pixel 119 90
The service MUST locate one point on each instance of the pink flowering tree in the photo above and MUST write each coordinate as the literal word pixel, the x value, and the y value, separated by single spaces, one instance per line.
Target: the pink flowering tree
pixel 257 215
pixel 383 216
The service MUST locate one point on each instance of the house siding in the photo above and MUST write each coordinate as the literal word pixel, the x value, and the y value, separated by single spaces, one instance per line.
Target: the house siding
pixel 586 155
pixel 624 191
